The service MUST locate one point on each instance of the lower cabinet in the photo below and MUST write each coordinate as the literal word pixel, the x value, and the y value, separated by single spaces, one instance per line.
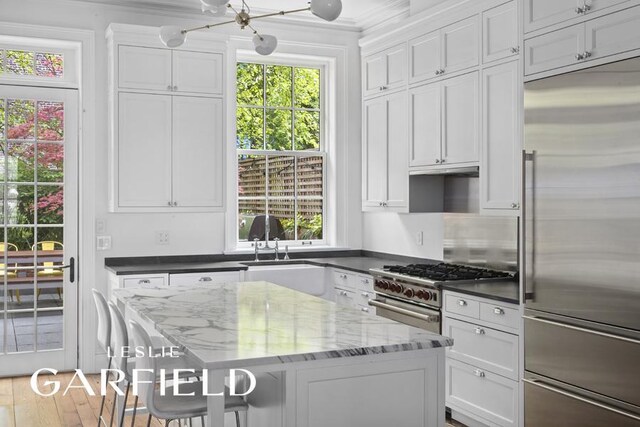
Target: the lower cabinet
pixel 483 365
pixel 353 290
pixel 204 278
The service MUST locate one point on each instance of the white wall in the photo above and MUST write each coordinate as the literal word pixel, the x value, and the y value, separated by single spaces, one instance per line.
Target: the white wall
pixel 396 233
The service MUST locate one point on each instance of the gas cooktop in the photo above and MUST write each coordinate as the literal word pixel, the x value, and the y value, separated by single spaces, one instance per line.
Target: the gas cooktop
pixel 443 272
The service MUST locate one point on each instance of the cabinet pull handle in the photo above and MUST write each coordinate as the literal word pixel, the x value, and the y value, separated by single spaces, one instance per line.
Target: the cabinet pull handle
pixel 343 276
pixel 515 49
pixel 586 55
pixel 586 9
pixel 579 56
pixel 365 309
pixel 437 160
pixel 205 279
pixel 462 303
pixel 144 282
pixel 170 203
pixel 478 373
pixel 579 10
pixel 479 331
pixel 169 87
pixel 175 88
pixel 498 311
pixel 344 293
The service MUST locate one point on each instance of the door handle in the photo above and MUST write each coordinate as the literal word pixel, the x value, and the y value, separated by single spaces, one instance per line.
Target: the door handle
pixel 527 217
pixel 72 269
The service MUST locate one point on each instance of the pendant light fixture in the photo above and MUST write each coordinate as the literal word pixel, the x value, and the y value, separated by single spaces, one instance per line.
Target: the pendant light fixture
pixel 172 36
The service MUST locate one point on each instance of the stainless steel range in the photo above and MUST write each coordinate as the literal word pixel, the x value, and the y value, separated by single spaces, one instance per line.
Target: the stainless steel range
pixel 412 294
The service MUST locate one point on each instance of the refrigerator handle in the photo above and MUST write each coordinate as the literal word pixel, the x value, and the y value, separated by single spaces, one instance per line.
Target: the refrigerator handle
pixel 528 241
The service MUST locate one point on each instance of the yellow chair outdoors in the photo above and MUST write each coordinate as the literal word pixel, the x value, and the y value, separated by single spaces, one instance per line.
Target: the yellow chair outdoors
pixel 49 269
pixel 4 270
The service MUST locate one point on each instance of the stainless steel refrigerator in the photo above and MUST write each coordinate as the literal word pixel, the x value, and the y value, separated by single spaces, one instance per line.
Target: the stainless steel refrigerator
pixel 582 248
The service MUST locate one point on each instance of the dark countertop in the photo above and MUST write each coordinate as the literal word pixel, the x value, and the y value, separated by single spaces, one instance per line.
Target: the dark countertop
pixel 176 267
pixel 505 291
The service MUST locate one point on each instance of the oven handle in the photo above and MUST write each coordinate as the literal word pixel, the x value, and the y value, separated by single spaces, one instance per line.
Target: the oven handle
pixel 425 317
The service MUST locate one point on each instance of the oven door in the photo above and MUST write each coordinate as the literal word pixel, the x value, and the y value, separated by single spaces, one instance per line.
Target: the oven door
pixel 407 313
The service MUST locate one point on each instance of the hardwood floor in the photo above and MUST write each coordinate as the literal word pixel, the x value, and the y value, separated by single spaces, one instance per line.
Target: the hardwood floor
pixel 21 407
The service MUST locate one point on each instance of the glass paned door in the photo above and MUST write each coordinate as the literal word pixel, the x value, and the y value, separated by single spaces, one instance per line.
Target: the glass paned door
pixel 38 235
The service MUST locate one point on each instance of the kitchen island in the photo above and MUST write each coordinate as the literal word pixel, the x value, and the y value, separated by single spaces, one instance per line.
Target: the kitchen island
pixel 322 364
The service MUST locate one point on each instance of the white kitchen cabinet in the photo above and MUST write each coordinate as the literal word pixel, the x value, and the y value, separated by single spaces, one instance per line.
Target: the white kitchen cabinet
pixel 182 279
pixel 554 50
pixel 501 139
pixel 594 39
pixel 500 32
pixel 129 281
pixel 483 365
pixel 169 70
pixel 353 290
pixel 543 13
pixel 197 152
pixel 460 119
pixel 144 150
pixel 444 122
pixel 385 153
pixel 169 152
pixel 384 71
pixel 448 50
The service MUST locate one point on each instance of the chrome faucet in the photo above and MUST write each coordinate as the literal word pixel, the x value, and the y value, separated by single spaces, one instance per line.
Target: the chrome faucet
pixel 267 230
pixel 256 241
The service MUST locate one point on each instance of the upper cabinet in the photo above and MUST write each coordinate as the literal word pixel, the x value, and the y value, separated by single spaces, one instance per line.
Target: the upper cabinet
pixel 384 71
pixel 543 13
pixel 500 32
pixel 578 45
pixel 168 70
pixel 448 50
pixel 167 123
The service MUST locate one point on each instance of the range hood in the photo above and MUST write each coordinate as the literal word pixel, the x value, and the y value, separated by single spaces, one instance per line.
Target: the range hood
pixel 472 171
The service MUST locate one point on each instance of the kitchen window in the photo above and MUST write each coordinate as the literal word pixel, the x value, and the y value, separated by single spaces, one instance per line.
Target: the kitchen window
pixel 280 152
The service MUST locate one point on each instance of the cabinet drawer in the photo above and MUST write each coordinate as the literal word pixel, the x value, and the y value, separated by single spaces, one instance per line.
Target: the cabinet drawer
pixel 500 32
pixel 367 309
pixel 483 347
pixel 145 282
pixel 460 45
pixel 364 283
pixel 554 50
pixel 613 34
pixel 500 315
pixel 482 393
pixel 345 297
pixel 459 304
pixel 144 68
pixel 342 279
pixel 204 278
pixel 363 297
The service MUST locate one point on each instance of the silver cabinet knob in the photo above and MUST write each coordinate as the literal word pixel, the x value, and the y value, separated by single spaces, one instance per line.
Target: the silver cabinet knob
pixel 515 49
pixel 175 203
pixel 515 205
pixel 144 282
pixel 479 331
pixel 169 87
pixel 344 293
pixel 365 294
pixel 175 88
pixel 343 276
pixel 586 55
pixel 498 311
pixel 579 56
pixel 170 203
pixel 478 373
pixel 437 160
pixel 579 10
pixel 205 279
pixel 443 160
pixel 365 309
pixel 462 303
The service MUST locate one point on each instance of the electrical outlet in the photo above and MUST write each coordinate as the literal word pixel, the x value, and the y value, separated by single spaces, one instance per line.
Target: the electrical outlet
pixel 162 237
pixel 103 243
pixel 420 238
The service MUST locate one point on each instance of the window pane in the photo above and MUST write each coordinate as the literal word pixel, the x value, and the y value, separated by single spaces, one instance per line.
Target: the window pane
pixel 23 239
pixel 307 130
pixel 1 71
pixel 50 121
pixel 278 130
pixel 20 164
pixel 250 81
pixel 50 162
pixel 1 117
pixel 50 205
pixel 279 86
pixel 282 219
pixel 20 119
pixel 49 65
pixel 51 234
pixel 23 326
pixel 309 219
pixel 19 62
pixel 307 88
pixel 250 129
pixel 20 200
pixel 251 176
pixel 309 175
pixel 281 176
pixel 248 210
pixel 50 325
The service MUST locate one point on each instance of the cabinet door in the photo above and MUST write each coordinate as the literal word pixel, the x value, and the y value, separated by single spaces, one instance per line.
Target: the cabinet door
pixel 197 72
pixel 144 68
pixel 460 45
pixel 615 33
pixel 501 142
pixel 500 32
pixel 554 50
pixel 424 57
pixel 374 69
pixel 424 125
pixel 205 278
pixel 542 13
pixel 396 66
pixel 397 145
pixel 144 150
pixel 460 124
pixel 198 141
pixel 374 152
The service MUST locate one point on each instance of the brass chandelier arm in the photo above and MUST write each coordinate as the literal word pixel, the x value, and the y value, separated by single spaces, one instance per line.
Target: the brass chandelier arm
pixel 266 15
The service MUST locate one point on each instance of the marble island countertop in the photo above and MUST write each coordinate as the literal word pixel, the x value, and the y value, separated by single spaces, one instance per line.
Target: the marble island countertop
pixel 251 323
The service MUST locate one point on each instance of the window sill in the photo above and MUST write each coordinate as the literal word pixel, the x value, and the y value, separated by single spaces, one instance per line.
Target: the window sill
pixel 292 250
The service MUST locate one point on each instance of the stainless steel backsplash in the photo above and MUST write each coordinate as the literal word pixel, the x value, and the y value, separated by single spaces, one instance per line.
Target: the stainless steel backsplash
pixel 482 241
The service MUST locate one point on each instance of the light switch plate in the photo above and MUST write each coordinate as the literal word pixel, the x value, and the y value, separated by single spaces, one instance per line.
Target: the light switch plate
pixel 103 243
pixel 162 237
pixel 419 238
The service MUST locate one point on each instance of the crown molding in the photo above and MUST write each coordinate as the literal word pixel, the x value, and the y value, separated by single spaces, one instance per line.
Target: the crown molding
pixel 393 11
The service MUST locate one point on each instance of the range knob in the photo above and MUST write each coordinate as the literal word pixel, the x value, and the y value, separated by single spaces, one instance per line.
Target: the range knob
pixel 398 288
pixel 420 293
pixel 383 284
pixel 408 293
pixel 426 296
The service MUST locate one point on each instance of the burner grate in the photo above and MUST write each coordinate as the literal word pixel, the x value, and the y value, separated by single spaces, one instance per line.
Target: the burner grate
pixel 446 272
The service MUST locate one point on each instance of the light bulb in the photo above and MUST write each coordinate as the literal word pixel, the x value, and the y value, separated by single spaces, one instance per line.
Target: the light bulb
pixel 172 36
pixel 265 44
pixel 328 10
